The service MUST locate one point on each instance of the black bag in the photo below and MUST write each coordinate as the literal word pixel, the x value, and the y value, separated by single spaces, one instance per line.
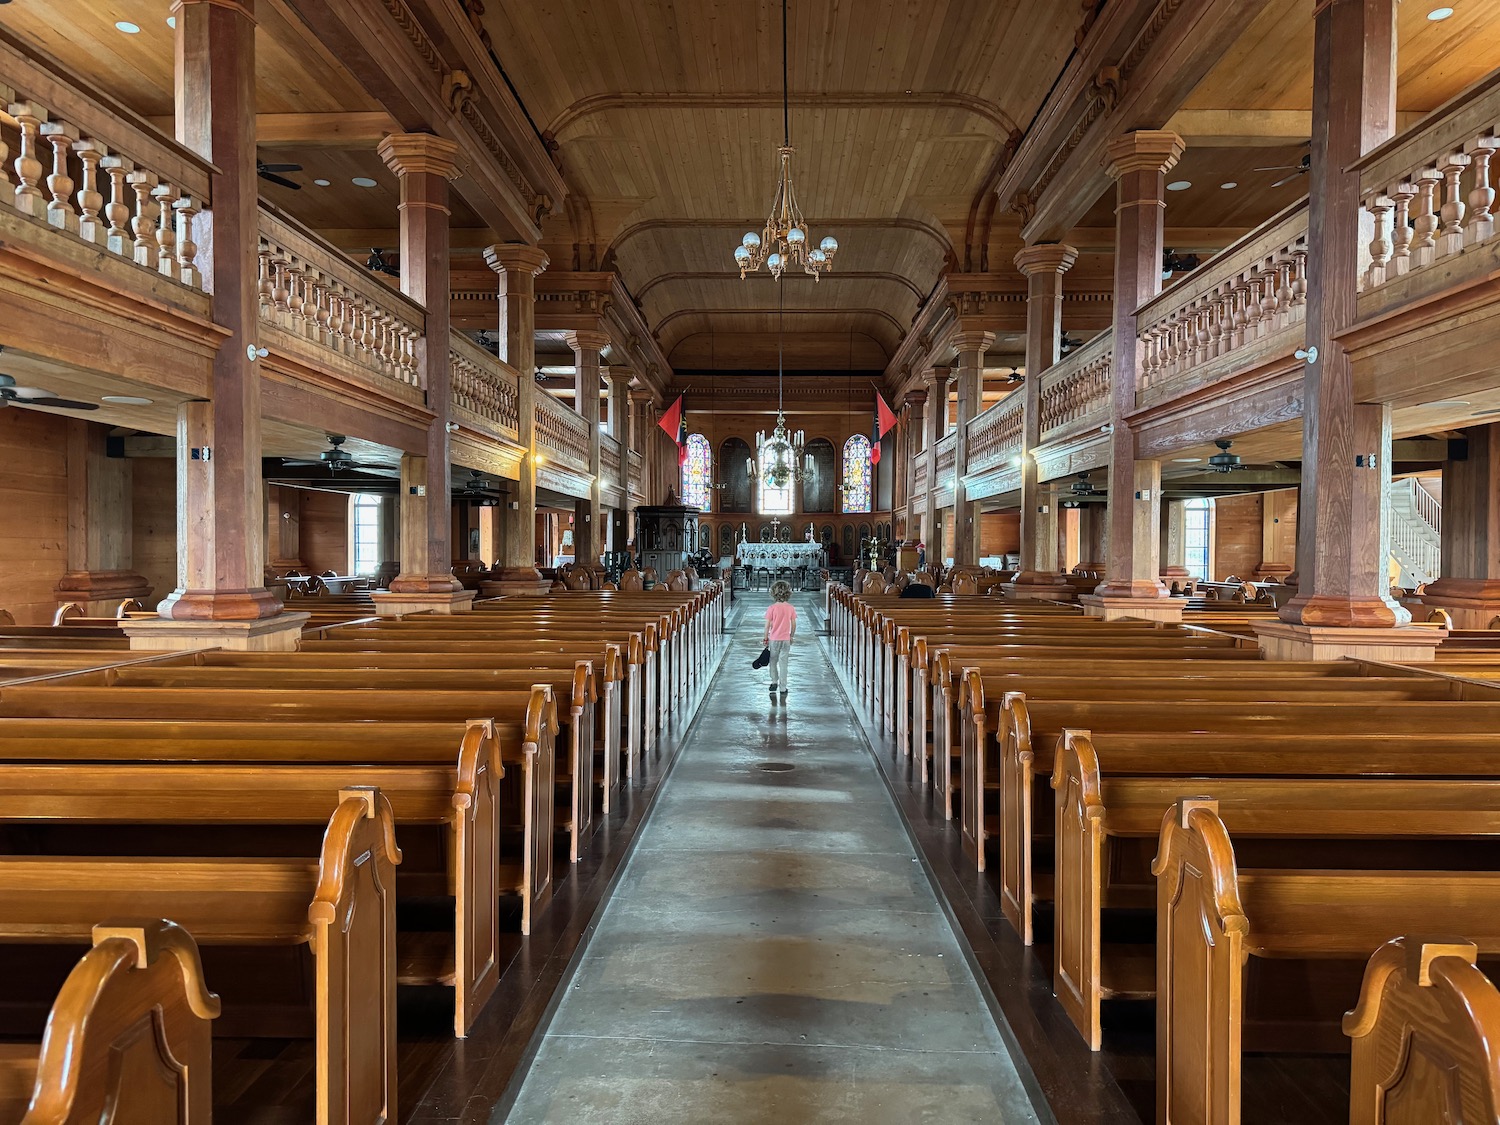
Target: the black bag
pixel 762 660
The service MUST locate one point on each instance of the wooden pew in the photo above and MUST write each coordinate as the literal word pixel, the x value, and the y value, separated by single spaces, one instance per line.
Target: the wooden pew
pixel 1213 916
pixel 341 905
pixel 1305 786
pixel 460 800
pixel 128 1040
pixel 1029 732
pixel 1425 1036
pixel 332 734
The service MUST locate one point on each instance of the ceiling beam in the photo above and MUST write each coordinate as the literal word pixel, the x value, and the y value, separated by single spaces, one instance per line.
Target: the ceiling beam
pixel 351 130
pixel 1251 128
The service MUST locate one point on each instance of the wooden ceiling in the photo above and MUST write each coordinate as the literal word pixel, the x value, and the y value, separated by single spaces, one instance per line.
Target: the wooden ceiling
pixel 667 116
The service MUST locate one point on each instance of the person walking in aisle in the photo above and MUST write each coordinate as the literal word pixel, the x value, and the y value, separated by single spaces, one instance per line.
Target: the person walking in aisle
pixel 781 627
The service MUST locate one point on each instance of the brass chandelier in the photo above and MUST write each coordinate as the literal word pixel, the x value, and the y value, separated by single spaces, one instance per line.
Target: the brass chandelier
pixel 784 241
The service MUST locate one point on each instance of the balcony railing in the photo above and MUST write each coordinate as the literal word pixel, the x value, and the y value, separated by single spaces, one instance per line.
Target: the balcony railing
pixel 609 461
pixel 946 452
pixel 484 388
pixel 92 171
pixel 1219 317
pixel 1075 393
pixel 920 475
pixel 995 434
pixel 327 308
pixel 1429 194
pixel 637 474
pixel 561 431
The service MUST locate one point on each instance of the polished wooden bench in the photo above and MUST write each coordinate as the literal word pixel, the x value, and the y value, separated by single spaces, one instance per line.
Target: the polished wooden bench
pixel 1214 915
pixel 460 800
pixel 1425 1036
pixel 1296 787
pixel 339 904
pixel 1029 732
pixel 129 1038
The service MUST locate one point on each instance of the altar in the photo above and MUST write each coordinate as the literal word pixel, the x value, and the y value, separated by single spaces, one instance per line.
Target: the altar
pixel 772 555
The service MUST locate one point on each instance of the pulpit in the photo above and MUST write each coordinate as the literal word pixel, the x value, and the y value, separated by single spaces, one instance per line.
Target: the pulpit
pixel 665 535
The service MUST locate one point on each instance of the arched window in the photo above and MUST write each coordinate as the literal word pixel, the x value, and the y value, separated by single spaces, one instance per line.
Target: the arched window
pixel 697 472
pixel 773 501
pixel 857 476
pixel 366 538
pixel 1198 537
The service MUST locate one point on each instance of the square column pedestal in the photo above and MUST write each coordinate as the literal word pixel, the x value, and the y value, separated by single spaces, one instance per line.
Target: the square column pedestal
pixel 439 601
pixel 1133 609
pixel 268 634
pixel 516 582
pixel 1282 641
pixel 1035 591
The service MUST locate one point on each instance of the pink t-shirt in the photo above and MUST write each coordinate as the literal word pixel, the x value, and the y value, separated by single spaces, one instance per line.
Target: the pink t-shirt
pixel 780 618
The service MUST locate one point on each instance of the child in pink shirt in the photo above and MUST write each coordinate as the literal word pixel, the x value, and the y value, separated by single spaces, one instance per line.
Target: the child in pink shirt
pixel 781 627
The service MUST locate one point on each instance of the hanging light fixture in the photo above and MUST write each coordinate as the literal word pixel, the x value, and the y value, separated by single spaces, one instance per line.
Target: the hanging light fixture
pixel 784 241
pixel 782 451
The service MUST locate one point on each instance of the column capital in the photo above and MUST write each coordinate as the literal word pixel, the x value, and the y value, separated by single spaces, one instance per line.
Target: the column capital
pixel 973 339
pixel 1046 257
pixel 244 8
pixel 587 339
pixel 915 398
pixel 640 395
pixel 933 376
pixel 1145 150
pixel 618 377
pixel 420 153
pixel 516 257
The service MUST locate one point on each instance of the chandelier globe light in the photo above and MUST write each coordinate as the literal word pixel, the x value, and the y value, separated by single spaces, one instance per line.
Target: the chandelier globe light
pixel 783 452
pixel 784 241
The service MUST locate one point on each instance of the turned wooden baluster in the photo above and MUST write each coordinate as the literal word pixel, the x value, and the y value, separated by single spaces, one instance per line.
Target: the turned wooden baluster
pixel 60 213
pixel 1299 279
pixel 295 300
pixel 1423 244
pixel 1451 168
pixel 7 97
pixel 166 197
pixel 320 313
pixel 263 286
pixel 1219 322
pixel 187 249
pixel 90 200
pixel 337 325
pixel 28 195
pixel 1482 195
pixel 117 210
pixel 280 294
pixel 1204 341
pixel 1380 207
pixel 1284 288
pixel 144 222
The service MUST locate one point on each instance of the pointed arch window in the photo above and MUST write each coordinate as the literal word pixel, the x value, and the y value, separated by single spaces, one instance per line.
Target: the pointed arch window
pixel 857 475
pixel 697 472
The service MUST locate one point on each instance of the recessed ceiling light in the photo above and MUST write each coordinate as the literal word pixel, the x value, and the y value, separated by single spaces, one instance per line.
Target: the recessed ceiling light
pixel 127 27
pixel 1445 402
pixel 126 400
pixel 172 22
pixel 1439 14
pixel 324 183
pixel 1187 460
pixel 1179 185
pixel 363 181
pixel 1230 184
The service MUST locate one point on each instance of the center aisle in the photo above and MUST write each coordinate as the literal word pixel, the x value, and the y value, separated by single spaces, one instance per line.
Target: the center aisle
pixel 774 951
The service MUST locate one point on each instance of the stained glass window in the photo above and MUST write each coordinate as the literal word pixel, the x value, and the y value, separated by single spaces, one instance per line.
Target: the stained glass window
pixel 773 501
pixel 857 474
pixel 697 472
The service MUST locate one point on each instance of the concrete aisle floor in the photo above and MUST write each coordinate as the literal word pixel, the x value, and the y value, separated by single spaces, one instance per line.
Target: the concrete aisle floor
pixel 774 951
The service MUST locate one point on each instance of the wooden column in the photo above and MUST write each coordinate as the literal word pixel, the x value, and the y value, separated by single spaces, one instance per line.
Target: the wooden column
pixel 100 571
pixel 1343 605
pixel 588 527
pixel 1043 264
pixel 1341 556
pixel 1138 162
pixel 937 428
pixel 916 435
pixel 972 344
pixel 620 410
pixel 518 265
pixel 1469 588
pixel 220 545
pixel 425 165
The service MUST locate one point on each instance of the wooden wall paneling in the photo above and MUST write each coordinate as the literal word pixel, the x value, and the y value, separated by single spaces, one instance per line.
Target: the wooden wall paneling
pixel 999 533
pixel 325 530
pixel 153 512
pixel 1238 536
pixel 34 533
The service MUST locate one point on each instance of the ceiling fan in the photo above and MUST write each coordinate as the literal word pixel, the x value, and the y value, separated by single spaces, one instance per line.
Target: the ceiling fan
pixel 1067 343
pixel 1082 491
pixel 336 459
pixel 377 263
pixel 271 172
pixel 12 394
pixel 1224 461
pixel 478 490
pixel 1173 262
pixel 1300 168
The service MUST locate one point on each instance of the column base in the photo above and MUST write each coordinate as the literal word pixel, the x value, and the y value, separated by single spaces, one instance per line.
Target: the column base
pixel 99 592
pixel 1466 613
pixel 267 634
pixel 1059 590
pixel 516 581
pixel 1132 609
pixel 395 603
pixel 1280 640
